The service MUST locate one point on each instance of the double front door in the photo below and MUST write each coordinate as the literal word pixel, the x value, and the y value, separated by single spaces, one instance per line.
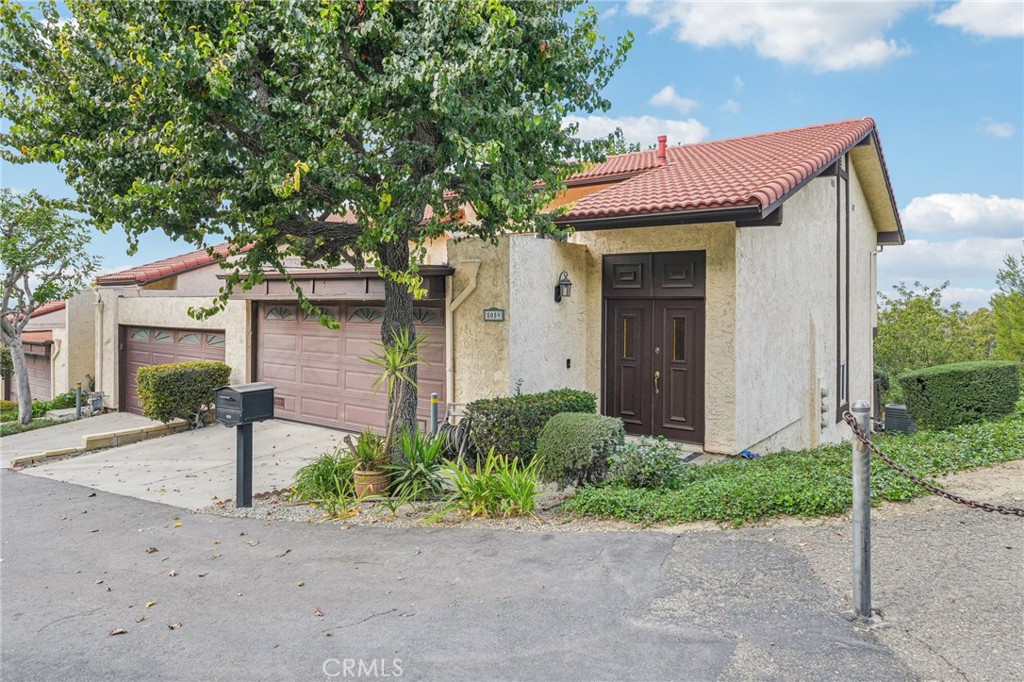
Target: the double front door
pixel 654 343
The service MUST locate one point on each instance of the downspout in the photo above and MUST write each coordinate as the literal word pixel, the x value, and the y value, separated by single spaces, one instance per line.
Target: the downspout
pixel 98 352
pixel 53 365
pixel 473 267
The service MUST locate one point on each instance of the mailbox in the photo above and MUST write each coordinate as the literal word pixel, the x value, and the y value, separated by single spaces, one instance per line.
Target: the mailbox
pixel 244 403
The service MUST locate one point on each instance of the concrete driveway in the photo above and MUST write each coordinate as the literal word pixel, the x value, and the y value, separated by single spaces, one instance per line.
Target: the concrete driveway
pixel 67 435
pixel 194 469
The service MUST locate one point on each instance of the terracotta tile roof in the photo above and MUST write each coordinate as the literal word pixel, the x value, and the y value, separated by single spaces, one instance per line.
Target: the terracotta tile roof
pixel 755 171
pixel 47 308
pixel 37 337
pixel 168 267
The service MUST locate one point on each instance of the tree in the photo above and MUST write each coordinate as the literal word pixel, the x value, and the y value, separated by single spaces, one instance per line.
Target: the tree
pixel 1008 309
pixel 342 131
pixel 915 330
pixel 43 259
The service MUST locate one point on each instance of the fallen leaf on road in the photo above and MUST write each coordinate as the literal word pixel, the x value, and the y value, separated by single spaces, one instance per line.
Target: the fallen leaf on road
pixel 238 594
pixel 216 542
pixel 118 631
pixel 99 582
pixel 419 551
pixel 302 583
pixel 92 494
pixel 174 626
pixel 151 550
pixel 140 619
pixel 282 553
pixel 253 543
pixel 204 574
pixel 150 604
pixel 318 613
pixel 179 524
pixel 173 573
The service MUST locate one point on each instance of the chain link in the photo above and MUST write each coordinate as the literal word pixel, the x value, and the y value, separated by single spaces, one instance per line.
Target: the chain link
pixel 930 487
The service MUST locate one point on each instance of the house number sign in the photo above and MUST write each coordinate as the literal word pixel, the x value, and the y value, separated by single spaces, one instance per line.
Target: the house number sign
pixel 494 315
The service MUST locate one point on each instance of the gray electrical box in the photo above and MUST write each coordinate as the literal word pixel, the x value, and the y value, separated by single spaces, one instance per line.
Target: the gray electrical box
pixel 244 403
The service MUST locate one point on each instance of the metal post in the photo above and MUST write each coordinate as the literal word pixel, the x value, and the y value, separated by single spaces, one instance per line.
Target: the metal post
pixel 243 472
pixel 433 414
pixel 862 514
pixel 78 400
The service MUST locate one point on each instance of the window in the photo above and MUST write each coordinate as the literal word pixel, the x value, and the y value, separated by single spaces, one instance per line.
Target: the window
pixel 190 339
pixel 627 338
pixel 280 312
pixel 427 316
pixel 140 335
pixel 214 339
pixel 678 339
pixel 162 336
pixel 366 314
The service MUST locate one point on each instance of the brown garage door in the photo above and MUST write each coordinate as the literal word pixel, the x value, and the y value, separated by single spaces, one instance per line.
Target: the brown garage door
pixel 317 372
pixel 37 359
pixel 145 346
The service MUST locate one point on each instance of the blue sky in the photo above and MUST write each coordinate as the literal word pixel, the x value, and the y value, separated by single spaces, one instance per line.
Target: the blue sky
pixel 944 82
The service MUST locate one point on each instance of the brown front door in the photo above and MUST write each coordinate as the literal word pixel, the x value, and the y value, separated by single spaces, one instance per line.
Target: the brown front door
pixel 654 343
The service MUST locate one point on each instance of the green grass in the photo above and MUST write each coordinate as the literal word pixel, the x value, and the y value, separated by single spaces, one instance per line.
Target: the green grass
pixel 13 427
pixel 807 483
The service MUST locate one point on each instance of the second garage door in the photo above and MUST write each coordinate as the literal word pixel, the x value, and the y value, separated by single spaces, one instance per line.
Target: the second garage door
pixel 145 346
pixel 318 373
pixel 37 362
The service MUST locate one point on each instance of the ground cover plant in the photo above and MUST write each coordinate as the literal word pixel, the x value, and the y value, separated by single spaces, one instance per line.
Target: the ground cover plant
pixel 497 486
pixel 806 483
pixel 9 428
pixel 327 480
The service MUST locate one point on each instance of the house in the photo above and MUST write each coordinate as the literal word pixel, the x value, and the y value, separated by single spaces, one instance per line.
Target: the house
pixel 58 342
pixel 720 294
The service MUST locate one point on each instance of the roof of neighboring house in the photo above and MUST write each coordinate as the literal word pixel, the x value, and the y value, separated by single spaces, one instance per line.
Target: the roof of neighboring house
pixel 45 336
pixel 756 172
pixel 168 267
pixel 47 308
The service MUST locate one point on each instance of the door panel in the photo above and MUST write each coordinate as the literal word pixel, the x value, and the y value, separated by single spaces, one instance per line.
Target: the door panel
pixel 146 346
pixel 628 362
pixel 679 360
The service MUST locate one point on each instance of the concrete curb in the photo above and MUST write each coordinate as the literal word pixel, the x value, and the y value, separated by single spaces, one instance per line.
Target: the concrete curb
pixel 107 439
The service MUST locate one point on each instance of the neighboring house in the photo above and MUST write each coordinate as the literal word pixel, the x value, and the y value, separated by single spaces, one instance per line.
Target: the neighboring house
pixel 723 295
pixel 58 342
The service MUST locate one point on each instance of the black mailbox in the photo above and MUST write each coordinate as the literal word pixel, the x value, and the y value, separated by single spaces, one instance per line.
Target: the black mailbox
pixel 244 403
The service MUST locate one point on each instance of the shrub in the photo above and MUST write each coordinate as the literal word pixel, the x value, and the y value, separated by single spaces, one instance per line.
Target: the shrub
pixel 647 463
pixel 8 405
pixel 327 479
pixel 6 364
pixel 180 390
pixel 574 447
pixel 418 476
pixel 59 402
pixel 511 425
pixel 8 415
pixel 944 396
pixel 497 486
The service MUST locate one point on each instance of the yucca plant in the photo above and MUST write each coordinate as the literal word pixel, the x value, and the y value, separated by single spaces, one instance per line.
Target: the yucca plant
pixel 515 485
pixel 396 361
pixel 496 486
pixel 418 476
pixel 474 492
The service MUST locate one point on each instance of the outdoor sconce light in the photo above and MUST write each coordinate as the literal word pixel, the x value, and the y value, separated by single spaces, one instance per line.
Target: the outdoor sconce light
pixel 564 287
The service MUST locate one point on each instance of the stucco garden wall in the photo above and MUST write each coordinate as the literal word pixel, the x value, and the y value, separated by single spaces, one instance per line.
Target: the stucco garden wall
pixel 72 353
pixel 786 320
pixel 544 335
pixel 481 349
pixel 124 306
pixel 719 242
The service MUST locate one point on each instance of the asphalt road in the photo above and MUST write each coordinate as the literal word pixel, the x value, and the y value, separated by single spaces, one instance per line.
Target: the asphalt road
pixel 285 601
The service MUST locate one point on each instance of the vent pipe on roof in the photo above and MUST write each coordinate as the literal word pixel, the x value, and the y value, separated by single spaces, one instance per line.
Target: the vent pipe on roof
pixel 662 153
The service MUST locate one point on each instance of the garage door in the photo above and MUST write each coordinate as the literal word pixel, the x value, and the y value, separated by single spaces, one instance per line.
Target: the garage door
pixel 318 374
pixel 37 360
pixel 155 346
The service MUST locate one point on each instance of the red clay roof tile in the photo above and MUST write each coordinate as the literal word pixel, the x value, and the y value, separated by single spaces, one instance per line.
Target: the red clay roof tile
pixel 143 274
pixel 757 170
pixel 47 308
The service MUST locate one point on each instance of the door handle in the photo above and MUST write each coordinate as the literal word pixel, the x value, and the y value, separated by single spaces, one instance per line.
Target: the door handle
pixel 657 375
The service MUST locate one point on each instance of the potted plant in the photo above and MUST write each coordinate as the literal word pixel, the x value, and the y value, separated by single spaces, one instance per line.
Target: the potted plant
pixel 370 476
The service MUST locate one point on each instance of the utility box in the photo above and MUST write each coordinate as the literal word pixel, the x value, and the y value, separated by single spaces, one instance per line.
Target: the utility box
pixel 898 420
pixel 244 403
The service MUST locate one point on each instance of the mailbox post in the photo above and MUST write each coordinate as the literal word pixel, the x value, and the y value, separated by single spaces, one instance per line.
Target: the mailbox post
pixel 241 406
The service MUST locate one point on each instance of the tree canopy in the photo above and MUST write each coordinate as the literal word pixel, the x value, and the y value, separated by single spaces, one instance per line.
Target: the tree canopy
pixel 1008 309
pixel 328 131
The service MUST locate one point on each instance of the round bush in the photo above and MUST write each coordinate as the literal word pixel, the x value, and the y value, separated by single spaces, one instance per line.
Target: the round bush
pixel 180 390
pixel 574 447
pixel 647 463
pixel 945 396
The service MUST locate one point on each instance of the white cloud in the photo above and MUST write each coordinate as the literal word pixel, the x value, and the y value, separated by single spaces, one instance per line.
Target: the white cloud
pixel 668 97
pixel 990 19
pixel 825 36
pixel 731 106
pixel 951 214
pixel 610 12
pixel 641 129
pixel 738 84
pixel 962 261
pixel 970 298
pixel 996 129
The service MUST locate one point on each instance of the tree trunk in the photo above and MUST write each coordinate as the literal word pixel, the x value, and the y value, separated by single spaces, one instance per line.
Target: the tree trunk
pixel 24 390
pixel 398 315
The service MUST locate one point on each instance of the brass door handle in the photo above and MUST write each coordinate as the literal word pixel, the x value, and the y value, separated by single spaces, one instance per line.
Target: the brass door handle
pixel 657 375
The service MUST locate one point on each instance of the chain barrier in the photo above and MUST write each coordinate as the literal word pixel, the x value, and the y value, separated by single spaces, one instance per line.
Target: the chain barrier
pixel 930 487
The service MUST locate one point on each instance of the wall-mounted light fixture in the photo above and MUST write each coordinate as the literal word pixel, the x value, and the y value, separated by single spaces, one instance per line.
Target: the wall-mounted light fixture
pixel 564 287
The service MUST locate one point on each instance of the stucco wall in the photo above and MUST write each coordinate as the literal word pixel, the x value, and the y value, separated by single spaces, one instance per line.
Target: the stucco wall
pixel 544 335
pixel 786 320
pixel 481 349
pixel 718 240
pixel 124 306
pixel 71 355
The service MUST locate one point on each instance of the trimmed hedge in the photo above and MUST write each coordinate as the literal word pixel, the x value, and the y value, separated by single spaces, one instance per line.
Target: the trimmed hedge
pixel 180 390
pixel 574 447
pixel 945 396
pixel 511 425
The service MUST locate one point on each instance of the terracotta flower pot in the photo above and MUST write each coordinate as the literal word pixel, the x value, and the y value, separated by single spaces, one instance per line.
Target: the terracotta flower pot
pixel 371 483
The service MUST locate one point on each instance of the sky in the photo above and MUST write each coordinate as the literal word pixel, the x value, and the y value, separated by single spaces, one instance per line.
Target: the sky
pixel 943 81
